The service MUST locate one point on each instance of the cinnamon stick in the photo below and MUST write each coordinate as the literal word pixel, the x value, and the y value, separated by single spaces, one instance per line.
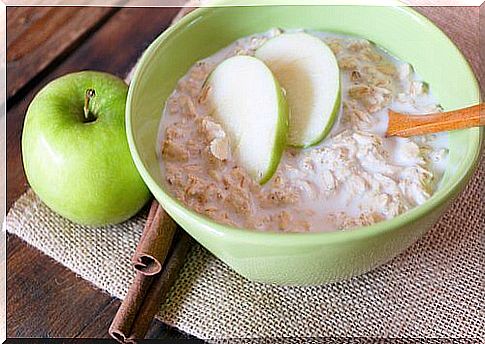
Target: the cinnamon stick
pixel 155 241
pixel 146 294
pixel 128 311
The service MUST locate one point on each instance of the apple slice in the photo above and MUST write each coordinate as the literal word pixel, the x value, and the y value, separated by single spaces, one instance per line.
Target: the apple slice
pixel 308 71
pixel 248 102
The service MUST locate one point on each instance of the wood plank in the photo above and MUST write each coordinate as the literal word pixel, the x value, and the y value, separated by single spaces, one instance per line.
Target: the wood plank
pixel 99 326
pixel 35 282
pixel 19 19
pixel 38 37
pixel 43 298
pixel 100 52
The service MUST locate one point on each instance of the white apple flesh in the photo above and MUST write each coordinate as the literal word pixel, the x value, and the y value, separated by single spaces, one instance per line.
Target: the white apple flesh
pixel 248 102
pixel 308 71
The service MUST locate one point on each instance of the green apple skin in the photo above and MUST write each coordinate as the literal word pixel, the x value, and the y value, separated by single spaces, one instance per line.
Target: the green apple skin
pixel 83 171
pixel 330 123
pixel 313 58
pixel 281 134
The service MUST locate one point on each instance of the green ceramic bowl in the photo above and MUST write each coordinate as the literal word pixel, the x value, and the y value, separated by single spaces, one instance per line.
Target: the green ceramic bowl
pixel 303 258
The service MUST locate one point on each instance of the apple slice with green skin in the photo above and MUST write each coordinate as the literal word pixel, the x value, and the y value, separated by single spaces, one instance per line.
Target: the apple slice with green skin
pixel 308 71
pixel 248 102
pixel 75 151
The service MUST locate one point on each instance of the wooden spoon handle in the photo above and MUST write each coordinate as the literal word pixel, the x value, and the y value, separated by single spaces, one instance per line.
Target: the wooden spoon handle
pixel 405 125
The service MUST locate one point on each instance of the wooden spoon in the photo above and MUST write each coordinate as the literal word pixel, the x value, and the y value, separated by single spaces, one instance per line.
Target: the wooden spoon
pixel 406 125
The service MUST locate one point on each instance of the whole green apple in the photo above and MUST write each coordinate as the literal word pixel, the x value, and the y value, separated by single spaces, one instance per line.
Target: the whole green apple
pixel 75 151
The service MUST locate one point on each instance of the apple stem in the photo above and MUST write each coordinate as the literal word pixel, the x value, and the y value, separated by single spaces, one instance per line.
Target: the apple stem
pixel 88 115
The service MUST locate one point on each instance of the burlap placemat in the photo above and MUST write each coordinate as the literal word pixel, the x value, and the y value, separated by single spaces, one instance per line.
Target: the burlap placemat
pixel 434 289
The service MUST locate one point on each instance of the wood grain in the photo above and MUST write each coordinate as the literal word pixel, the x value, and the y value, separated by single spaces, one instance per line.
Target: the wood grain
pixel 114 47
pixel 405 125
pixel 19 18
pixel 43 298
pixel 38 37
pixel 97 328
pixel 99 52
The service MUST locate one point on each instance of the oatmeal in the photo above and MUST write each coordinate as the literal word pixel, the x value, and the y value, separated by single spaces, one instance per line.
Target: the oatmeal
pixel 354 177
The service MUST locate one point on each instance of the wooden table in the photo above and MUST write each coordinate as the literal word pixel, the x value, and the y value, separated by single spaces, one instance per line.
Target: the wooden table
pixel 45 299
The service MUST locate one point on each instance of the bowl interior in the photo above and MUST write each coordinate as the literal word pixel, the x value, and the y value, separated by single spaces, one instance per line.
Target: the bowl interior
pixel 399 30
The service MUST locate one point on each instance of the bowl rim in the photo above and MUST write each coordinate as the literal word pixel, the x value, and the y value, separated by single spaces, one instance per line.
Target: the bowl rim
pixel 239 234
